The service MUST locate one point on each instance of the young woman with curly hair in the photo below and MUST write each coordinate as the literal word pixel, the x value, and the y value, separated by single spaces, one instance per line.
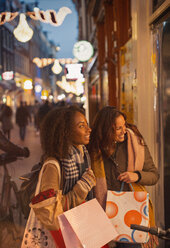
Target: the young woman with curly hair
pixel 63 134
pixel 119 154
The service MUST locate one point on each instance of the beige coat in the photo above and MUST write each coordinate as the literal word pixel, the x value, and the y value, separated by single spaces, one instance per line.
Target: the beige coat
pixel 48 210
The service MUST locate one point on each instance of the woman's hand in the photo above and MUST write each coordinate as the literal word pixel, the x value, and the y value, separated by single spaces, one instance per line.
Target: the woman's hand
pixel 89 178
pixel 128 177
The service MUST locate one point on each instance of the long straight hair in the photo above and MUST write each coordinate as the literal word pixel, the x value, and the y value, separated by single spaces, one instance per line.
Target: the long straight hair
pixel 103 130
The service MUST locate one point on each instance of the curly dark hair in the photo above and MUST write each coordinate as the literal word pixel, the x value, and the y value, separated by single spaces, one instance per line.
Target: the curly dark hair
pixel 103 133
pixel 56 130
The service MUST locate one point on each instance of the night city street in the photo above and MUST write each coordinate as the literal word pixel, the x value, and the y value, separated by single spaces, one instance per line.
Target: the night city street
pixel 85 95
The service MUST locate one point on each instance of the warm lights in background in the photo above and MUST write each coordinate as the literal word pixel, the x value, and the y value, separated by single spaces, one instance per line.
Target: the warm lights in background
pixel 75 87
pixel 38 88
pixel 74 69
pixel 8 75
pixel 44 94
pixel 56 67
pixel 51 97
pixel 83 50
pixel 61 97
pixel 42 62
pixel 57 48
pixel 50 16
pixel 73 81
pixel 28 84
pixel 7 17
pixel 68 61
pixel 23 32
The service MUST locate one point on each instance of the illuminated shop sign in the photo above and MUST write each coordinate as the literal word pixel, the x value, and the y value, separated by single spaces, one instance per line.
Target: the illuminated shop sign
pixel 74 71
pixel 8 75
pixel 44 94
pixel 28 84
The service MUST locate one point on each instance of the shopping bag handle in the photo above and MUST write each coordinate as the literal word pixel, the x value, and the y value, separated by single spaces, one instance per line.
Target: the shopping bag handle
pixel 122 186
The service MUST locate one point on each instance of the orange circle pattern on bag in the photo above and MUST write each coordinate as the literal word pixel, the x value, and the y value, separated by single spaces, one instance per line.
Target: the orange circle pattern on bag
pixel 111 209
pixel 140 196
pixel 132 217
pixel 126 208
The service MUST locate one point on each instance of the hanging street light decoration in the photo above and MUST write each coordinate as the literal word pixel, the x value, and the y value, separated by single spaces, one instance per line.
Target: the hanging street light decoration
pixel 23 32
pixel 64 61
pixel 56 67
pixel 42 62
pixel 47 61
pixel 48 16
pixel 7 17
pixel 74 87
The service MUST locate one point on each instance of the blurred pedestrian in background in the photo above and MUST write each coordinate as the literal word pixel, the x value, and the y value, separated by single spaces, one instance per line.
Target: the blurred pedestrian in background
pixel 119 154
pixel 35 109
pixel 42 111
pixel 6 120
pixel 29 109
pixel 22 119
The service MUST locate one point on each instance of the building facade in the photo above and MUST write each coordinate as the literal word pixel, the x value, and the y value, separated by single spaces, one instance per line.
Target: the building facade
pixel 130 70
pixel 17 58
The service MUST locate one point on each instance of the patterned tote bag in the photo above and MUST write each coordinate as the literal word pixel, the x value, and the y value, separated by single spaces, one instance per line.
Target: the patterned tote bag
pixel 126 208
pixel 36 235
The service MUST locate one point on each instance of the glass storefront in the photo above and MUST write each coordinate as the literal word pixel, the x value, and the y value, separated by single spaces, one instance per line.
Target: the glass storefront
pixel 165 99
pixel 161 77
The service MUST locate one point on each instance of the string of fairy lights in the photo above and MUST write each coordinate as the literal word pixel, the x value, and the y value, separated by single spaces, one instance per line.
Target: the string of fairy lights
pixel 23 32
pixel 82 50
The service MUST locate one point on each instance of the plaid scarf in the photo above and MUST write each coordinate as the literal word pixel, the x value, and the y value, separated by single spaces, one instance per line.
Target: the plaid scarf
pixel 74 166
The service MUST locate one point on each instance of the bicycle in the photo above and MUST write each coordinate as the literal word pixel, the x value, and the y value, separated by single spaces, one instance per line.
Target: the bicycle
pixel 11 218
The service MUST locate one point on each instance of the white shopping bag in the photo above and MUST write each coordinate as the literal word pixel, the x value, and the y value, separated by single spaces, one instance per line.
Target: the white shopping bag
pixel 86 226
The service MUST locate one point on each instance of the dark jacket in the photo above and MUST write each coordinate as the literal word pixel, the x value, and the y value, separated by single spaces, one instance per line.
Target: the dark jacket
pixel 117 163
pixel 22 116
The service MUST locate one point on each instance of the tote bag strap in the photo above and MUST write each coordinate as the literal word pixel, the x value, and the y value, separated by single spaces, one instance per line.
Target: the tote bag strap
pixel 51 161
pixel 122 186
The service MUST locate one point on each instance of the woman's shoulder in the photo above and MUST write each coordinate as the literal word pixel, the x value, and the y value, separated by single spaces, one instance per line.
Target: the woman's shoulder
pixel 51 167
pixel 52 162
pixel 51 175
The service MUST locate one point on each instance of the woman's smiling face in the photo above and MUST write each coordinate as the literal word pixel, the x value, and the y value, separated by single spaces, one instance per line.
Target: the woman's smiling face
pixel 120 129
pixel 80 130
